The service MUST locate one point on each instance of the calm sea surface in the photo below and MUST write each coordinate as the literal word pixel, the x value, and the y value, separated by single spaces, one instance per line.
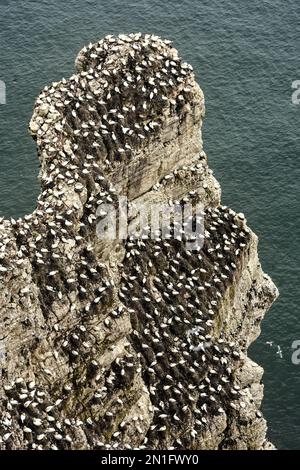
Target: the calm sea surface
pixel 246 55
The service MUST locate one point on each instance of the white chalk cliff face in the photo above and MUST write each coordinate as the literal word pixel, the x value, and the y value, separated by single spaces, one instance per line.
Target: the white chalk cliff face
pixel 133 343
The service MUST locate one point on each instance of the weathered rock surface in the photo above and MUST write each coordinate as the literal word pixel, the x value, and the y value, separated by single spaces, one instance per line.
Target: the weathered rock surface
pixel 127 343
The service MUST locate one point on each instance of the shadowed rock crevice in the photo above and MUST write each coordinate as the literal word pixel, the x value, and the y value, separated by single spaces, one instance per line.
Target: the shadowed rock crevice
pixel 133 343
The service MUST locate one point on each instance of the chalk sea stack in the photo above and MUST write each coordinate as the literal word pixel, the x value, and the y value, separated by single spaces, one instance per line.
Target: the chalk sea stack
pixel 127 343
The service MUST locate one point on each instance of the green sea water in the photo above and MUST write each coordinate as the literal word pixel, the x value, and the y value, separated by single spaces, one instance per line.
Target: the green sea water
pixel 246 56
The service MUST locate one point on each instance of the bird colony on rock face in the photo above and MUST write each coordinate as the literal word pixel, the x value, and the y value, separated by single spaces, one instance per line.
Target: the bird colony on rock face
pixel 173 296
pixel 85 126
